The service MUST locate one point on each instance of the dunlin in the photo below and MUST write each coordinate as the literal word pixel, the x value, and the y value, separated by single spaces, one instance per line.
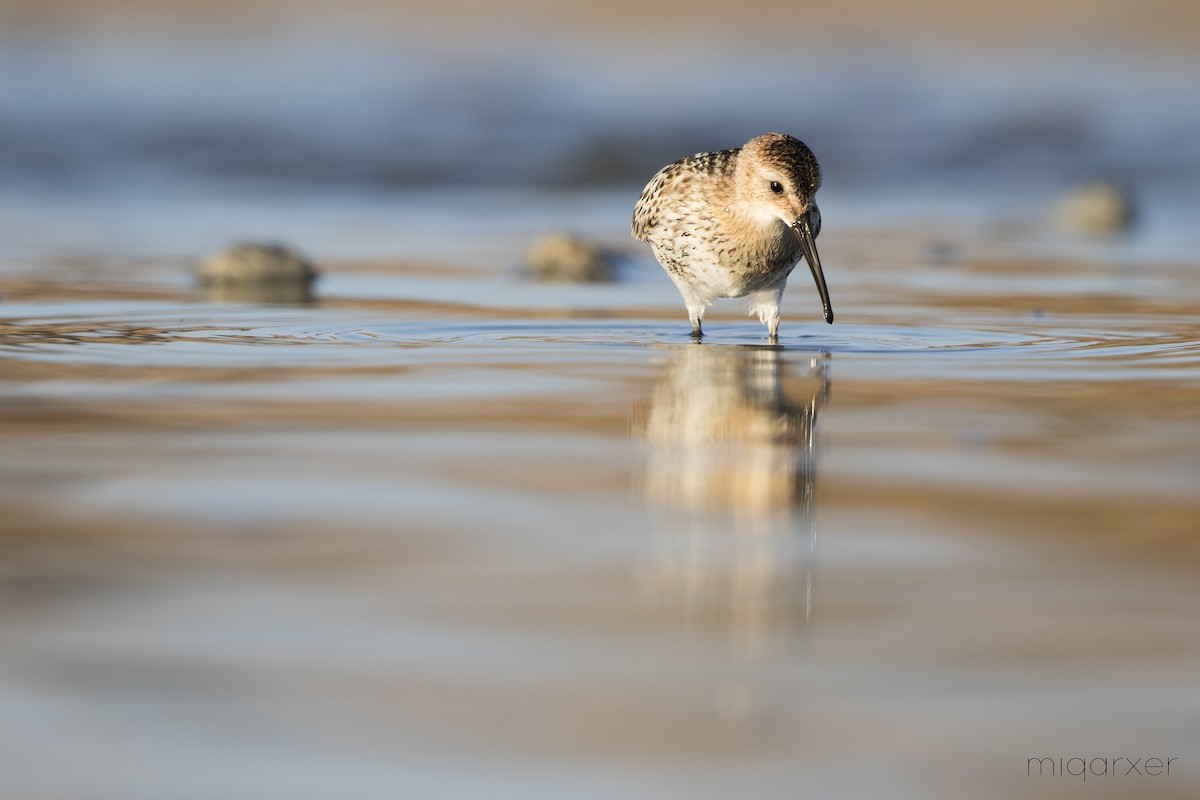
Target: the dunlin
pixel 735 223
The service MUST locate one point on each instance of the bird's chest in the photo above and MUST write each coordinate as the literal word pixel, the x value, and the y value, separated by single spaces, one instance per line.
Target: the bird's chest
pixel 732 261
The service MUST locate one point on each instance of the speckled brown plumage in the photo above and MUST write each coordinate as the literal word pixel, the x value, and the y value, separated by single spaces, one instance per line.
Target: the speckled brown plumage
pixel 734 223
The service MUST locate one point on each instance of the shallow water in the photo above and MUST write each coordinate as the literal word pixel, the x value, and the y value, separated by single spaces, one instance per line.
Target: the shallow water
pixel 448 532
pixel 533 541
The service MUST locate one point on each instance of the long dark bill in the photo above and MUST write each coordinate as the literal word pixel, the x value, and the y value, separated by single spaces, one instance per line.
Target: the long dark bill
pixel 809 247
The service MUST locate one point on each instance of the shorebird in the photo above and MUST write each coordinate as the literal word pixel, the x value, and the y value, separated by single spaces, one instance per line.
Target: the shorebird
pixel 734 223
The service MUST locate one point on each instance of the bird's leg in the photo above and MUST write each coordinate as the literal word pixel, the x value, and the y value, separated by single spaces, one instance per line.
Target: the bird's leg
pixel 773 326
pixel 765 304
pixel 695 314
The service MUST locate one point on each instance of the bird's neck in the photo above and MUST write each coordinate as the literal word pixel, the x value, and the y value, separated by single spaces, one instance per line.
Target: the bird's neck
pixel 752 221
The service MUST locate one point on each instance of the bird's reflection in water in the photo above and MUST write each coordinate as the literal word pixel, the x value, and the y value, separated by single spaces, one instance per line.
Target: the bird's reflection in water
pixel 729 469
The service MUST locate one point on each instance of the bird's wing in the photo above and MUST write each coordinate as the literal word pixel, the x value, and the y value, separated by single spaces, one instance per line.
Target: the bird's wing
pixel 665 189
pixel 646 212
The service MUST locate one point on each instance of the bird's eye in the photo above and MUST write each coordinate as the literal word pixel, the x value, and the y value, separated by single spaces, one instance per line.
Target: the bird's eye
pixel 776 187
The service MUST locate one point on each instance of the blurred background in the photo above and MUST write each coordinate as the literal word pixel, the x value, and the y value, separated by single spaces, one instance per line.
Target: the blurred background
pixel 991 108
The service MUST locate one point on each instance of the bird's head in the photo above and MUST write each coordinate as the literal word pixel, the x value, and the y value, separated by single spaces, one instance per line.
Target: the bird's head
pixel 777 179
